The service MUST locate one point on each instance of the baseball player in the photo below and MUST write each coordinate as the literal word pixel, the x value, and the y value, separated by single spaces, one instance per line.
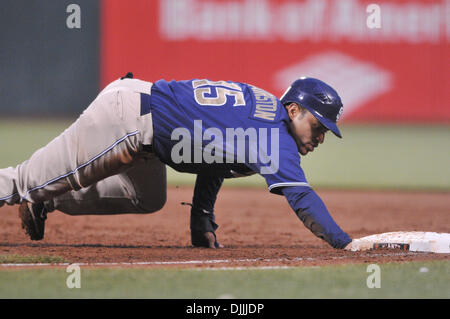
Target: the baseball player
pixel 112 159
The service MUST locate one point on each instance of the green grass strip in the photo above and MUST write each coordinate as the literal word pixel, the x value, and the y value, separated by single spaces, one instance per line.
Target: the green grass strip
pixel 429 279
pixel 39 259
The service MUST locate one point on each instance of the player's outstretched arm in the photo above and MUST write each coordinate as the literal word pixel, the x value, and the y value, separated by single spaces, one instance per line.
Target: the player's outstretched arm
pixel 202 220
pixel 311 210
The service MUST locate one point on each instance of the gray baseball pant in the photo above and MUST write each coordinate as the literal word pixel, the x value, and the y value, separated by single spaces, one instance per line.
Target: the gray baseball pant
pixel 97 165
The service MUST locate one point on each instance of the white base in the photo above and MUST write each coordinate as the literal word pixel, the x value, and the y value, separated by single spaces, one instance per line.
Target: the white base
pixel 411 241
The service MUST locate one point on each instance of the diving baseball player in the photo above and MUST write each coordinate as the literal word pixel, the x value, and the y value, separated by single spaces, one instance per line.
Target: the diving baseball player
pixel 112 159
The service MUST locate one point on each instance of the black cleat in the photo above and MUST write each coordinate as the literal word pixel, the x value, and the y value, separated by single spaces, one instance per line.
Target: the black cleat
pixel 33 218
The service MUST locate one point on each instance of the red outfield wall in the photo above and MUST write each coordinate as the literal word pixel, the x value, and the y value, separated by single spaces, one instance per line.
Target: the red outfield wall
pixel 396 73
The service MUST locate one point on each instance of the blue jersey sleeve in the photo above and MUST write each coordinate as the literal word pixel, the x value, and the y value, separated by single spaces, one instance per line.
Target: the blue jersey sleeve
pixel 313 213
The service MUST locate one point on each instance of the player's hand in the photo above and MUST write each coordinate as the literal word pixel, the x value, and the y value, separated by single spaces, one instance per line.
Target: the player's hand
pixel 349 246
pixel 206 240
pixel 203 229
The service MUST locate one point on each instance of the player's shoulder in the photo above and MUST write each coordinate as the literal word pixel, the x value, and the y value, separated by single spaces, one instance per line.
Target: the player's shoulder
pixel 198 82
pixel 215 82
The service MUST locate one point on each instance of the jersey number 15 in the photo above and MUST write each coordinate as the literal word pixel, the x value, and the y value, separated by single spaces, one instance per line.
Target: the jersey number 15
pixel 223 90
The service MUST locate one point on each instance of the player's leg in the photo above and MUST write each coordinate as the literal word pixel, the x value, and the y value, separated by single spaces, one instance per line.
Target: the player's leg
pixel 102 142
pixel 140 189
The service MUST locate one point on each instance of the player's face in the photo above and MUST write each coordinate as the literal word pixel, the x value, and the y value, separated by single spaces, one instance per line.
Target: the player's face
pixel 307 131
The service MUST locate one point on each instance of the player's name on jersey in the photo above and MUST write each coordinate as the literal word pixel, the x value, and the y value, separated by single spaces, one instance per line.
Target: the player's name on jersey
pixel 266 104
pixel 252 145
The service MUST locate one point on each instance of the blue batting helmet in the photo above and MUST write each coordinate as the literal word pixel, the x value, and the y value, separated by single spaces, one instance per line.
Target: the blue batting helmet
pixel 317 97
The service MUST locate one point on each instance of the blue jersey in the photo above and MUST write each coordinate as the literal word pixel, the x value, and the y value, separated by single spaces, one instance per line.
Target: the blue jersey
pixel 226 129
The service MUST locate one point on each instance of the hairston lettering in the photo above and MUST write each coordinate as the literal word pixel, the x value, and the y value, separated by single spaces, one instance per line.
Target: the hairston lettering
pixel 252 146
pixel 266 104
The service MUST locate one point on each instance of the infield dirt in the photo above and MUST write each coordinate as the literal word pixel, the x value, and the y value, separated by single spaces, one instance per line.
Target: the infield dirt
pixel 257 229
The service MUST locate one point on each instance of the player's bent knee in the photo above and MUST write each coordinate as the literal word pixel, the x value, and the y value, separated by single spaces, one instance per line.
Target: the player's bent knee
pixel 154 205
